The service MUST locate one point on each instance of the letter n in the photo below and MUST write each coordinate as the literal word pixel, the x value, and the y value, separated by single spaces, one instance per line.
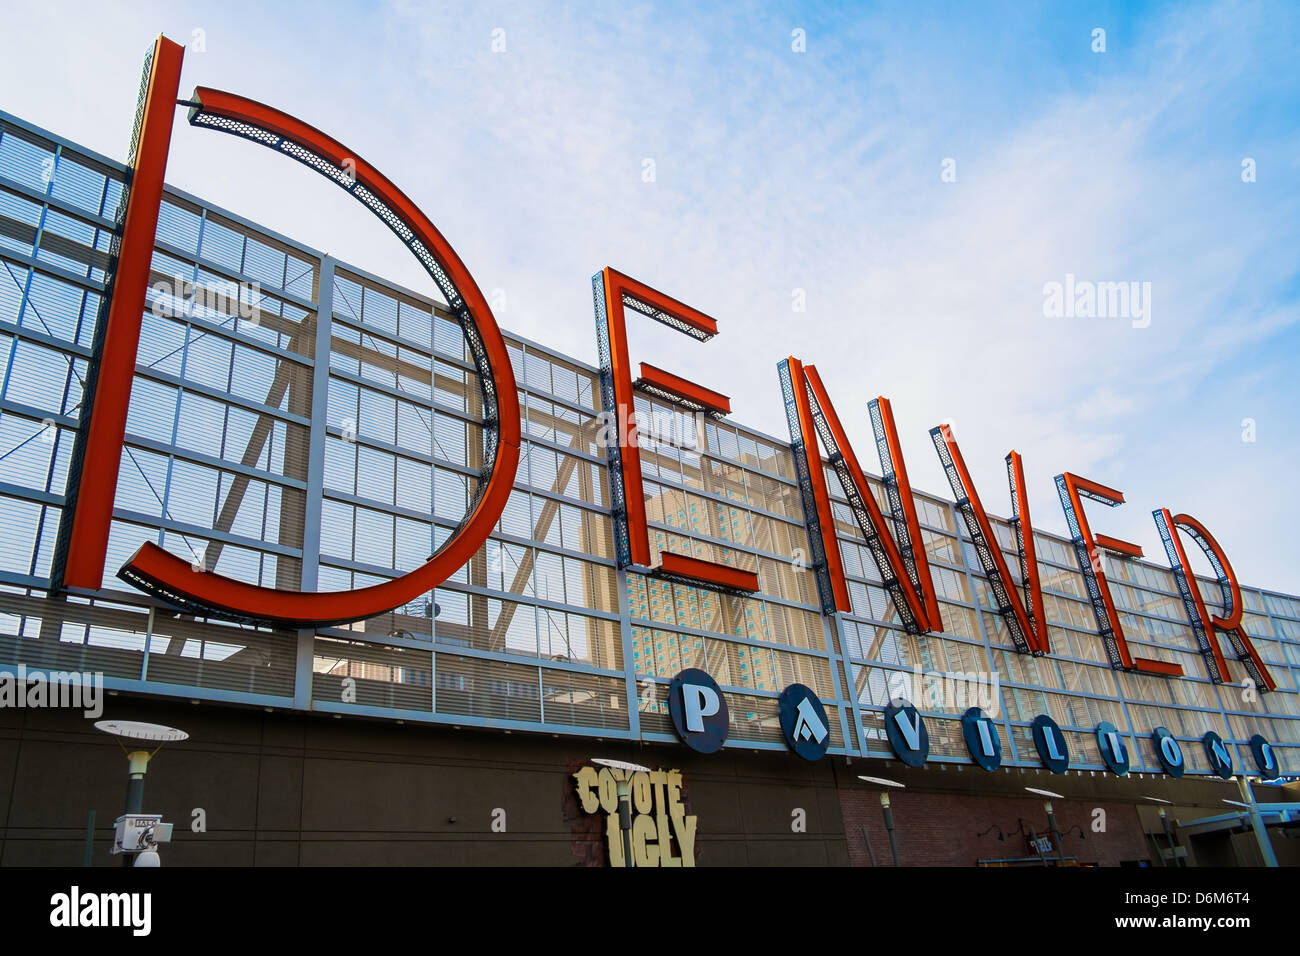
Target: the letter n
pixel 903 565
pixel 1024 618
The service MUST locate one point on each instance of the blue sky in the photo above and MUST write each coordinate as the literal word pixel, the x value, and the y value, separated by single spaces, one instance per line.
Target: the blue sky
pixel 820 171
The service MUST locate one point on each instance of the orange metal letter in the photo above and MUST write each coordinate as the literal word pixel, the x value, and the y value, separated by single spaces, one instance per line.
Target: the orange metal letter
pixel 97 450
pixel 613 293
pixel 807 437
pixel 1204 625
pixel 176 580
pixel 1024 617
pixel 1071 489
pixel 899 490
pixel 905 570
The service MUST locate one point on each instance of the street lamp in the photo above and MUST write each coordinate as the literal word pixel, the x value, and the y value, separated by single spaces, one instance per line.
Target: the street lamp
pixel 886 809
pixel 137 766
pixel 1051 818
pixel 624 786
pixel 1168 828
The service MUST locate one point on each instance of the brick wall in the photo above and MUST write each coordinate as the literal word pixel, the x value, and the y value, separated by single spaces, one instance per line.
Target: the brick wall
pixel 940 829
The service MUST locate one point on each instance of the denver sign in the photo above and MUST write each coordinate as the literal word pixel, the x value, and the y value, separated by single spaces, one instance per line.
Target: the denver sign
pixel 900 555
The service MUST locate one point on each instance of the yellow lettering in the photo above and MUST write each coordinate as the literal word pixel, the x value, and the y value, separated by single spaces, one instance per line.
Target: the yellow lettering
pixel 675 792
pixel 642 794
pixel 608 791
pixel 659 780
pixel 614 837
pixel 644 850
pixel 586 778
pixel 666 857
pixel 685 829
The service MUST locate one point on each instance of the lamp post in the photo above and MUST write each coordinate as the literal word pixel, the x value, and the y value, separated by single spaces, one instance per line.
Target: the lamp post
pixel 1051 819
pixel 1169 830
pixel 889 824
pixel 1033 838
pixel 1056 831
pixel 887 810
pixel 1169 837
pixel 137 762
pixel 623 785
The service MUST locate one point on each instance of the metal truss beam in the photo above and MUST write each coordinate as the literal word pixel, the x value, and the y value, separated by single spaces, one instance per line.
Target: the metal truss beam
pixel 896 575
pixel 1028 633
pixel 1071 489
pixel 826 563
pixel 902 506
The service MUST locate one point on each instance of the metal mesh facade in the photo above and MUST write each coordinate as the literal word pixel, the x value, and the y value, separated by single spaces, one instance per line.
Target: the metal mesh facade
pixel 328 432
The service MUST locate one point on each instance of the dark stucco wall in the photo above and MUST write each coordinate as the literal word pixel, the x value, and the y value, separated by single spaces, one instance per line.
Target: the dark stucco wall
pixel 287 789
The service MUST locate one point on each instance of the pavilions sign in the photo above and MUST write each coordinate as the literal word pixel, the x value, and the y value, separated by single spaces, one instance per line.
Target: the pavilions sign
pixel 702 720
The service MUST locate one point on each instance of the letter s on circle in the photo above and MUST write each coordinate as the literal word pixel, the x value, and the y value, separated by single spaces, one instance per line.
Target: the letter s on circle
pixel 175 580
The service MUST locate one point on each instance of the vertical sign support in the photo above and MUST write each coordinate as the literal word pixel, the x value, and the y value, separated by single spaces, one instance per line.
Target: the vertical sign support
pixel 83 531
pixel 311 525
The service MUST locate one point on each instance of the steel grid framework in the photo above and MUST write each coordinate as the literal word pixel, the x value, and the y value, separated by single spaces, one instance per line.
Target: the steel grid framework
pixel 553 721
pixel 804 461
pixel 994 570
pixel 902 509
pixel 1088 568
pixel 857 493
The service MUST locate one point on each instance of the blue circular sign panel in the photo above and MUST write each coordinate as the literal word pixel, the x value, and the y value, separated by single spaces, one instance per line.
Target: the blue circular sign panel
pixel 1270 768
pixel 982 739
pixel 1169 752
pixel 1217 753
pixel 1050 744
pixel 1113 752
pixel 905 728
pixel 698 710
pixel 804 723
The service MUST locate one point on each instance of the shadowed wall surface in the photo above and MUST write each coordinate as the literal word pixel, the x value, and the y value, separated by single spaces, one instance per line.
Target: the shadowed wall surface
pixel 289 790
